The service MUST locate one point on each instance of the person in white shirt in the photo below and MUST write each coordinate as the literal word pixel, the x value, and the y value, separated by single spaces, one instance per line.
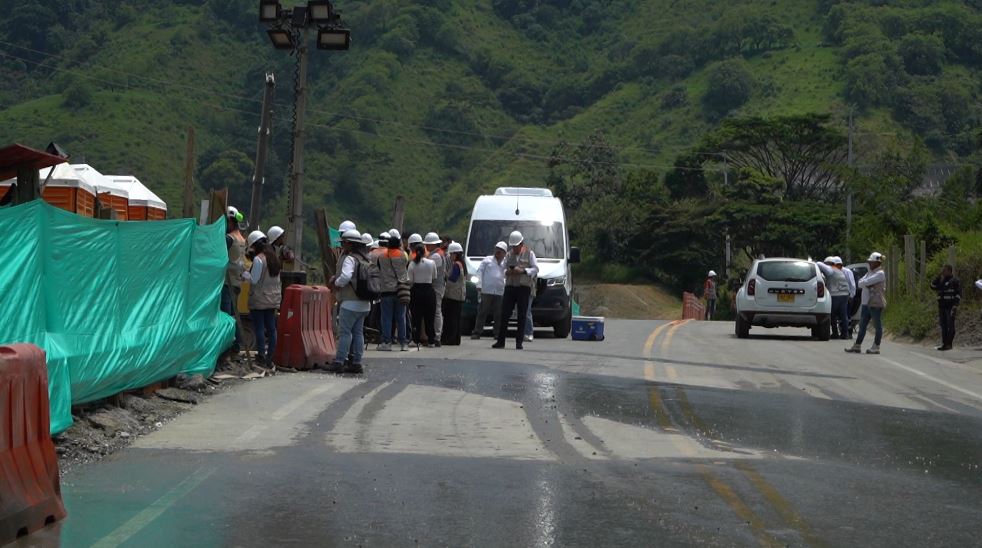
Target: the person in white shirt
pixel 521 268
pixel 491 283
pixel 422 297
pixel 851 280
pixel 874 301
pixel 354 310
pixel 838 287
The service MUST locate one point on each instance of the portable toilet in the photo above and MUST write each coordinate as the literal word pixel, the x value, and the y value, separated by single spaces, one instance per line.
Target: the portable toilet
pixel 65 189
pixel 144 205
pixel 115 199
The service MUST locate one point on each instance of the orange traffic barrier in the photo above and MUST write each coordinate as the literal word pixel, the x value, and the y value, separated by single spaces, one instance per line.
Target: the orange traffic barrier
pixel 305 333
pixel 692 307
pixel 30 489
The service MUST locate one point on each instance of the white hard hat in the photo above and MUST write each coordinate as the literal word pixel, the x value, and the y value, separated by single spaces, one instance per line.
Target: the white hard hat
pixel 394 234
pixel 274 233
pixel 502 246
pixel 432 238
pixel 837 260
pixel 454 247
pixel 829 260
pixel 351 235
pixel 232 211
pixel 367 239
pixel 515 238
pixel 346 226
pixel 384 236
pixel 415 239
pixel 875 257
pixel 254 237
pixel 712 273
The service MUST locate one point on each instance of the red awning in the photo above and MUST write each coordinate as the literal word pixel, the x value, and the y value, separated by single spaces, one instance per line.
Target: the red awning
pixel 13 157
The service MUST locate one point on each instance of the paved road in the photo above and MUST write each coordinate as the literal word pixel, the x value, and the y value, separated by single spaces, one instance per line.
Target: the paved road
pixel 665 434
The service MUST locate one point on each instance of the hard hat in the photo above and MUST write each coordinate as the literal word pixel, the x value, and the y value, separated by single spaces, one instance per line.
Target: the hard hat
pixel 415 239
pixel 384 236
pixel 234 213
pixel 875 257
pixel 515 238
pixel 351 235
pixel 502 246
pixel 367 239
pixel 829 260
pixel 346 226
pixel 274 233
pixel 837 261
pixel 254 237
pixel 394 235
pixel 432 238
pixel 712 273
pixel 454 247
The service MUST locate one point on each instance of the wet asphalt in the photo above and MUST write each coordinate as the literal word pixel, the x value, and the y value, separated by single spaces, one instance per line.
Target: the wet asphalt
pixel 683 436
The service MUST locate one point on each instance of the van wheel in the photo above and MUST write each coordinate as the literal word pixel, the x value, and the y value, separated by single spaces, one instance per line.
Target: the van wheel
pixel 561 330
pixel 823 331
pixel 742 327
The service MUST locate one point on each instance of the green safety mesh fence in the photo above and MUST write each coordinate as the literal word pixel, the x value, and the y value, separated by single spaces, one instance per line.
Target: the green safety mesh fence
pixel 116 305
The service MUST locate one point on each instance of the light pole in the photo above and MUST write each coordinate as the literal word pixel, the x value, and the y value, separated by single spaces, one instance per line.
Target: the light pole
pixel 289 30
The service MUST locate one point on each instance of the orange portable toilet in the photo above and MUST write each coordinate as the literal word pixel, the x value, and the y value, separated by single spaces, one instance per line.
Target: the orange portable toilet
pixel 144 205
pixel 65 189
pixel 117 200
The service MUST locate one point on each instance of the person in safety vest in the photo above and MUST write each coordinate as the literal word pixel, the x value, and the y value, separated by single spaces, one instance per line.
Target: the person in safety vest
pixel 521 268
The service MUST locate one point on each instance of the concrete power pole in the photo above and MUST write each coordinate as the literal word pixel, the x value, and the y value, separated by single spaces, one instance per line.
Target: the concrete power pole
pixel 188 210
pixel 262 147
pixel 849 195
pixel 729 249
pixel 295 217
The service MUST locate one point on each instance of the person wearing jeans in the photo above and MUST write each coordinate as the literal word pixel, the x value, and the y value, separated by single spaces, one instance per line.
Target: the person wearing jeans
pixel 393 268
pixel 874 301
pixel 264 295
pixel 354 310
pixel 838 288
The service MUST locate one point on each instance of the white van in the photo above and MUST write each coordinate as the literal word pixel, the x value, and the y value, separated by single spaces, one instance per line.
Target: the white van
pixel 539 216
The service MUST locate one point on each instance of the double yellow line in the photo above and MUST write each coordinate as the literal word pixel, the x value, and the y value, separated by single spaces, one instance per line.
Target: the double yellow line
pixel 724 491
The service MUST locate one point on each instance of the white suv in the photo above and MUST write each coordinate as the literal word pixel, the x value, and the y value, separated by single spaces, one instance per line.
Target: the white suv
pixel 784 293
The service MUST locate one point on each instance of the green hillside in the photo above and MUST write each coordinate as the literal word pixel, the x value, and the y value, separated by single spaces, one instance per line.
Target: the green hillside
pixel 444 100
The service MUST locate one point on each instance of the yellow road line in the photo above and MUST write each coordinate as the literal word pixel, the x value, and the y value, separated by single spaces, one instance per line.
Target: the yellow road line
pixel 667 341
pixel 781 504
pixel 690 413
pixel 650 342
pixel 740 508
pixel 673 375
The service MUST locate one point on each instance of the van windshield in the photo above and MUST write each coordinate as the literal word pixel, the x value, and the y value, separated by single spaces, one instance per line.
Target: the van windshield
pixel 545 239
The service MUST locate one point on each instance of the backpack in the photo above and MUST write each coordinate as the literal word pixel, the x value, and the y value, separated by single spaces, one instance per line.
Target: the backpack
pixel 368 279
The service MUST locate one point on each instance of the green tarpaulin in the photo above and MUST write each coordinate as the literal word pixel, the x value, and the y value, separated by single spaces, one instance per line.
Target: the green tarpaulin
pixel 116 305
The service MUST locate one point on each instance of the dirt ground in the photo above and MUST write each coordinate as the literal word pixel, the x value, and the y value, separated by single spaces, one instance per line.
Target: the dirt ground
pixel 631 302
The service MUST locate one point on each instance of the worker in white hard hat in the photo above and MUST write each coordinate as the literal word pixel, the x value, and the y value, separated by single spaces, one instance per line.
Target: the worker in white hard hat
pixel 277 239
pixel 521 268
pixel 235 244
pixel 838 287
pixel 436 254
pixel 346 226
pixel 354 309
pixel 422 303
pixel 709 293
pixel 874 285
pixel 453 298
pixel 851 280
pixel 265 294
pixel 393 265
pixel 491 285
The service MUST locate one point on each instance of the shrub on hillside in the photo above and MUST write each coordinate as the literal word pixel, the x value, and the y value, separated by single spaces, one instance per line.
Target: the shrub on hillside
pixel 730 85
pixel 77 95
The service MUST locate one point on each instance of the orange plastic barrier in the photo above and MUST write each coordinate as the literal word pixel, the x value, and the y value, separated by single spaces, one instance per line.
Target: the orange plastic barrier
pixel 30 489
pixel 305 334
pixel 692 307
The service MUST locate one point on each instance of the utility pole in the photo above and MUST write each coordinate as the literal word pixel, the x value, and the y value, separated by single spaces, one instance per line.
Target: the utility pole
pixel 729 250
pixel 259 177
pixel 295 219
pixel 188 210
pixel 849 194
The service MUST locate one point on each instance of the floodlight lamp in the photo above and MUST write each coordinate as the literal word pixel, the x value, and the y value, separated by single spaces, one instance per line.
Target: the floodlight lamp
pixel 333 39
pixel 282 39
pixel 269 11
pixel 319 11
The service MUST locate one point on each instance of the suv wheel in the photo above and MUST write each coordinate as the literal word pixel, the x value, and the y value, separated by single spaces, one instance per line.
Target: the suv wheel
pixel 823 331
pixel 742 327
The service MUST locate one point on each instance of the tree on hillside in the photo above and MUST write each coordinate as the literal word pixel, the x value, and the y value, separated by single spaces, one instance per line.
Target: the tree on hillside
pixel 730 85
pixel 802 151
pixel 585 171
pixel 231 169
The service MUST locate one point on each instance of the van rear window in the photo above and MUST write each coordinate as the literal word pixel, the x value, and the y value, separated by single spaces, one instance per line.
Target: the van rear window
pixel 786 271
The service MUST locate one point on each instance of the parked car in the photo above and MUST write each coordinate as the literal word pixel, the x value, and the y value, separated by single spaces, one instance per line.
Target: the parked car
pixel 784 292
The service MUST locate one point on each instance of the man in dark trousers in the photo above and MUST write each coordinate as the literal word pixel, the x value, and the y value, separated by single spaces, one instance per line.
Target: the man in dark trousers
pixel 949 297
pixel 521 268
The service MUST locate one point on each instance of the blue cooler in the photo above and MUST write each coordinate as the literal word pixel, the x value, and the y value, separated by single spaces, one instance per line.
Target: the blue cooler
pixel 588 328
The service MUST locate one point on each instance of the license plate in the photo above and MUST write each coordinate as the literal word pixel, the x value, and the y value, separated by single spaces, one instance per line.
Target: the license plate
pixel 785 298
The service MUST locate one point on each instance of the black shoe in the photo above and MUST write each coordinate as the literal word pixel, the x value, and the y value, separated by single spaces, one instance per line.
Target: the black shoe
pixel 945 348
pixel 354 369
pixel 519 347
pixel 437 344
pixel 336 367
pixel 498 345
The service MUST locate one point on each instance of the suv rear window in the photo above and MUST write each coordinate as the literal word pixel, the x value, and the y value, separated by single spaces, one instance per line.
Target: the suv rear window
pixel 786 271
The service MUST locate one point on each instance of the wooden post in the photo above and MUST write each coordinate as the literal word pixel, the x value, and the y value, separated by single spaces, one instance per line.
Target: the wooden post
pixel 218 205
pixel 28 186
pixel 328 256
pixel 893 271
pixel 910 264
pixel 399 213
pixel 951 257
pixel 189 176
pixel 923 271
